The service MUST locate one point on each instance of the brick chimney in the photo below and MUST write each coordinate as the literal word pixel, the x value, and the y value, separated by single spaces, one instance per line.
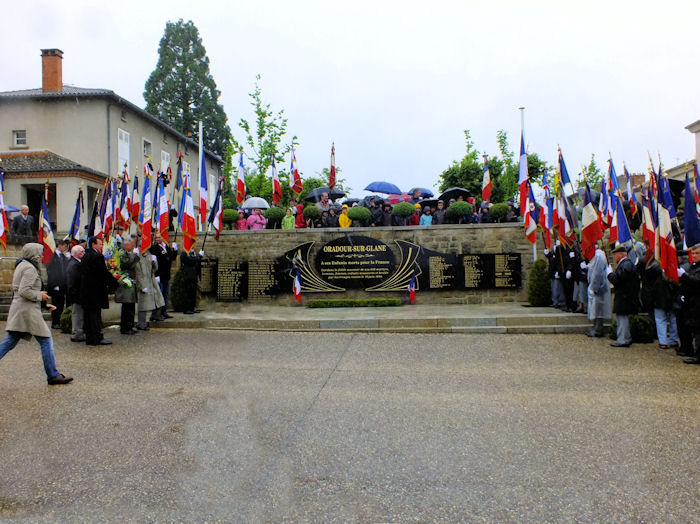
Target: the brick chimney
pixel 51 70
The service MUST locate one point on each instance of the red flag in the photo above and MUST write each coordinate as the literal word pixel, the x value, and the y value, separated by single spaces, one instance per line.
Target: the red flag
pixel 591 228
pixel 294 176
pixel 331 176
pixel 486 184
pixel 276 187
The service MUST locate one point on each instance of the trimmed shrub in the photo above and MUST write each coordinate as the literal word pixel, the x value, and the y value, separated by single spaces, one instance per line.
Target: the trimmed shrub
pixel 353 302
pixel 499 211
pixel 539 291
pixel 460 209
pixel 640 328
pixel 403 209
pixel 274 213
pixel 178 292
pixel 359 215
pixel 230 217
pixel 66 321
pixel 227 203
pixel 311 212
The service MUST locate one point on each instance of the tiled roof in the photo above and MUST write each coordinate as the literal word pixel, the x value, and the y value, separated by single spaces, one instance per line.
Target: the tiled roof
pixel 30 161
pixel 73 92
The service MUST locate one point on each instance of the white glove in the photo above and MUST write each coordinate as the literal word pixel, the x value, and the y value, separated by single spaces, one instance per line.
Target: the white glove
pixel 608 270
pixel 158 279
pixel 154 258
pixel 584 265
pixel 201 253
pixel 144 290
pixel 572 254
pixel 546 251
pixel 556 275
pixel 681 272
pixel 568 275
pixel 136 251
pixel 56 288
pixel 175 246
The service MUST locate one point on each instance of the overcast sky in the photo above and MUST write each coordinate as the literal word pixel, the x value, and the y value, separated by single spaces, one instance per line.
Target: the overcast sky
pixel 394 84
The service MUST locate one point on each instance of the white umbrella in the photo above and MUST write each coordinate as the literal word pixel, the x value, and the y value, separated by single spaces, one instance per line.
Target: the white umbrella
pixel 255 203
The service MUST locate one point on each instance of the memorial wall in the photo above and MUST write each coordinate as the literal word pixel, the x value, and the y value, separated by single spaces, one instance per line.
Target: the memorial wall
pixel 458 264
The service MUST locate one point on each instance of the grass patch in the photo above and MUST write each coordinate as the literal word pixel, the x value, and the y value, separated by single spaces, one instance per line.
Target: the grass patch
pixel 353 302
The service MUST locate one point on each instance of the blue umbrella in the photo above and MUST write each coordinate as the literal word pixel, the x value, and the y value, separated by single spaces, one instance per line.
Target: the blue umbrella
pixel 424 193
pixel 383 187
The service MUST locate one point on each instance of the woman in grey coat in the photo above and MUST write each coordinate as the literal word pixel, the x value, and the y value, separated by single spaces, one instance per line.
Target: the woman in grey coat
pixel 25 318
pixel 149 296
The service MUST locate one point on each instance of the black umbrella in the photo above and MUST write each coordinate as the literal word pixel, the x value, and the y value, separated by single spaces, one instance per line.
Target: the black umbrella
pixel 315 195
pixel 351 201
pixel 432 203
pixel 454 192
pixel 425 193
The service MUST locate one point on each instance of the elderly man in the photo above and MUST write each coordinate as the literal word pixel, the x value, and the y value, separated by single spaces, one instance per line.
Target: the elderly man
pixel 73 277
pixel 148 292
pixel 165 255
pixel 94 291
pixel 689 277
pixel 626 281
pixel 23 224
pixel 324 204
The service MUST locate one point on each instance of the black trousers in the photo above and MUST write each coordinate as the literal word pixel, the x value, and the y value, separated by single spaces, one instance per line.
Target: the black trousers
pixel 190 294
pixel 93 325
pixel 58 299
pixel 127 320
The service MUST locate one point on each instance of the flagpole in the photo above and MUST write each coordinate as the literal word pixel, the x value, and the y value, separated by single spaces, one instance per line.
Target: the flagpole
pixel 199 176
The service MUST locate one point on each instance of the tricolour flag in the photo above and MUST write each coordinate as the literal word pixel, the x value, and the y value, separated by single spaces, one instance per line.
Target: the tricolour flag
pixel 276 186
pixel 294 176
pixel 178 176
pixel 189 227
pixel 567 233
pixel 163 211
pixel 591 228
pixel 240 181
pixel 648 220
pixel 486 184
pixel 297 286
pixel 108 216
pixel 216 217
pixel 124 205
pixel 135 201
pixel 4 227
pixel 74 231
pixel 665 248
pixel 564 177
pixel 412 289
pixel 619 228
pixel 547 212
pixel 203 190
pixel 691 223
pixel 630 194
pixel 331 175
pixel 46 233
pixel 522 176
pixel 145 216
pixel 531 218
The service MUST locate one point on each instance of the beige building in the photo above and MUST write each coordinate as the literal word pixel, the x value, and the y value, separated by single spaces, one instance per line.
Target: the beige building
pixel 75 137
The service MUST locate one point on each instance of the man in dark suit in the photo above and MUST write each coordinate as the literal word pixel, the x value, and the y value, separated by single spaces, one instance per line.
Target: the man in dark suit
pixel 23 224
pixel 94 291
pixel 56 282
pixel 73 278
pixel 626 302
pixel 164 256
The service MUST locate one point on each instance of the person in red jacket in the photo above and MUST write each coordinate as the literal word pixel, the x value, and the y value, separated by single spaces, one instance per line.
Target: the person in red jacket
pixel 415 217
pixel 300 222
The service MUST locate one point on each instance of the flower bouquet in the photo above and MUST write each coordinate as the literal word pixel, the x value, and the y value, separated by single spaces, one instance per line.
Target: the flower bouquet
pixel 111 254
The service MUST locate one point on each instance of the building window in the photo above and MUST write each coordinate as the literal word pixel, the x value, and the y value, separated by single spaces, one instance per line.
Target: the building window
pixel 123 150
pixel 147 148
pixel 19 138
pixel 164 161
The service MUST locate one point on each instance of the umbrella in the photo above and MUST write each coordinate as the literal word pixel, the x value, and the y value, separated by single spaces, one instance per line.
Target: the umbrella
pixel 11 209
pixel 255 203
pixel 424 193
pixel 454 192
pixel 377 199
pixel 432 203
pixel 383 187
pixel 395 199
pixel 351 201
pixel 315 194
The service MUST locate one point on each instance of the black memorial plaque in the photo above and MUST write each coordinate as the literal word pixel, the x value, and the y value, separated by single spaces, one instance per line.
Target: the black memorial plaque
pixel 487 271
pixel 232 281
pixel 476 271
pixel 354 262
pixel 207 283
pixel 507 270
pixel 262 280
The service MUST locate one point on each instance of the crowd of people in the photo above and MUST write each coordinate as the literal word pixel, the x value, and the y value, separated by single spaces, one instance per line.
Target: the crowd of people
pixel 81 276
pixel 426 213
pixel 640 287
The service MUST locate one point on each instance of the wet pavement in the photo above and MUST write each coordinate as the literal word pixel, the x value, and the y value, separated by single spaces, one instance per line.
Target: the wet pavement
pixel 242 426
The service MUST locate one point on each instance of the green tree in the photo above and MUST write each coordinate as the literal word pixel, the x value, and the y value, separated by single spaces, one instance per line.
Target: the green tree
pixel 591 174
pixel 181 90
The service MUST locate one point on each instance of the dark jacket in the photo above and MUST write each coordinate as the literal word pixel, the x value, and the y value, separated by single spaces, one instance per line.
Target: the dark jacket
pixel 96 281
pixel 657 292
pixel 376 214
pixel 439 217
pixel 626 282
pixel 56 272
pixel 22 226
pixel 330 221
pixel 690 290
pixel 387 218
pixel 73 277
pixel 164 257
pixel 190 265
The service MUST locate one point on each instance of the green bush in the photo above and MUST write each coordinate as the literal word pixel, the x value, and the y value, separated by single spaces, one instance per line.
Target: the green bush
pixel 460 209
pixel 231 216
pixel 275 213
pixel 360 215
pixel 539 292
pixel 227 203
pixel 403 209
pixel 178 292
pixel 499 211
pixel 66 321
pixel 353 302
pixel 640 328
pixel 311 211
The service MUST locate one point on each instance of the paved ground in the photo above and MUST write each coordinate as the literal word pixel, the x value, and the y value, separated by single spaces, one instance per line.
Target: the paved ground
pixel 249 426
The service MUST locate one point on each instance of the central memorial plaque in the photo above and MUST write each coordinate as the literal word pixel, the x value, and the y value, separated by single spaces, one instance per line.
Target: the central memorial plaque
pixel 354 262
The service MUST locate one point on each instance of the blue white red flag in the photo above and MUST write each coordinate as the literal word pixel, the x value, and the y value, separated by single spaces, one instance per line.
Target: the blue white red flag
pixel 565 179
pixel 145 216
pixel 203 190
pixel 74 231
pixel 189 227
pixel 691 222
pixel 665 247
pixel 486 185
pixel 240 181
pixel 634 207
pixel 412 289
pixel 163 211
pixel 591 228
pixel 522 176
pixel 294 176
pixel 46 233
pixel 135 201
pixel 297 286
pixel 531 218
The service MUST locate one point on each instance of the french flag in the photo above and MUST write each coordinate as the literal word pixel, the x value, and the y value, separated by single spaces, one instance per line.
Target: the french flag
pixel 666 245
pixel 145 216
pixel 203 190
pixel 566 184
pixel 486 185
pixel 522 176
pixel 276 186
pixel 630 194
pixel 412 289
pixel 531 219
pixel 189 228
pixel 240 182
pixel 135 200
pixel 591 228
pixel 691 222
pixel 46 233
pixel 297 287
pixel 546 212
pixel 619 228
pixel 294 176
pixel 163 212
